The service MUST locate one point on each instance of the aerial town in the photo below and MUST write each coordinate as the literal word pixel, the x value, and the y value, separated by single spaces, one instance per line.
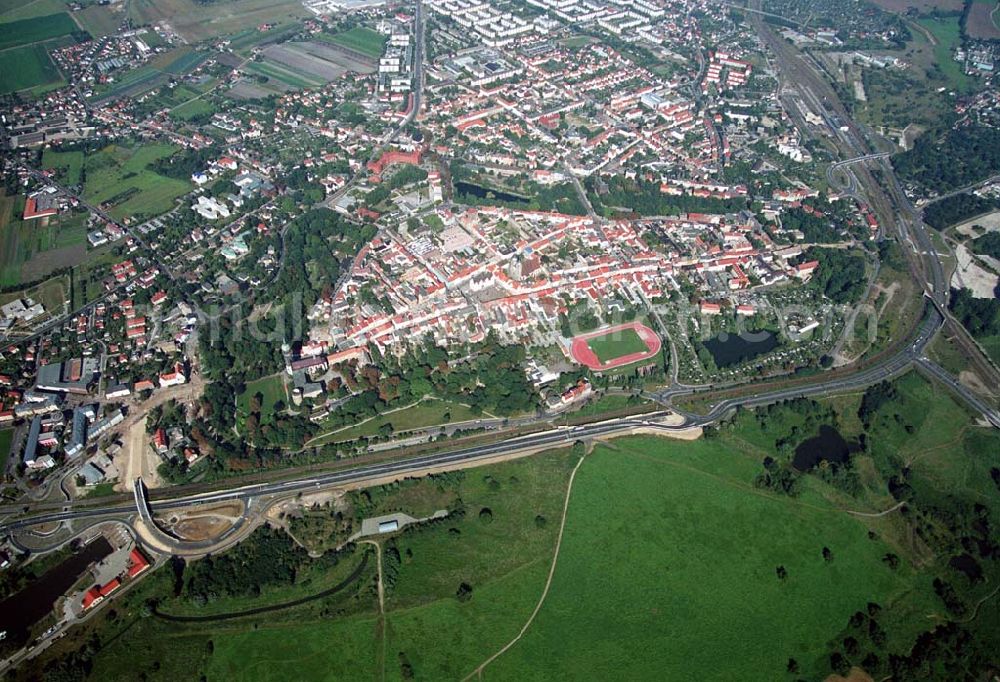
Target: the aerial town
pixel 299 294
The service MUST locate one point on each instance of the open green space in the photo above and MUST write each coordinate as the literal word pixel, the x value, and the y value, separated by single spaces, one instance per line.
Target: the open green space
pixel 284 74
pixel 15 10
pixel 270 389
pixel 425 413
pixel 35 29
pixel 33 249
pixel 198 21
pixel 26 67
pixel 119 178
pixel 948 34
pixel 101 20
pixel 193 109
pixel 360 39
pixel 616 344
pixel 679 560
pixel 69 165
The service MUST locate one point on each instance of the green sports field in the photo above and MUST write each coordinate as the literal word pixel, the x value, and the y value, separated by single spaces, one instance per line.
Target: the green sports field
pixel 616 344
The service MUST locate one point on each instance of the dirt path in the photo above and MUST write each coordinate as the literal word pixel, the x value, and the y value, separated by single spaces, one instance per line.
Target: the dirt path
pixel 137 458
pixel 478 672
pixel 381 605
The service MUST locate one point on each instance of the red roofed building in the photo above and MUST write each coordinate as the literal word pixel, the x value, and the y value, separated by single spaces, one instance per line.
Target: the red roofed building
pixel 137 563
pixel 92 597
pixel 31 210
pixel 378 166
pixel 710 308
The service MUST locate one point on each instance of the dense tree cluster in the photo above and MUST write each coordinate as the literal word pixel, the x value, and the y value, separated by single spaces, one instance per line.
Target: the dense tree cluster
pixel 981 316
pixel 960 157
pixel 958 208
pixel 840 275
pixel 644 198
pixel 183 165
pixel 988 245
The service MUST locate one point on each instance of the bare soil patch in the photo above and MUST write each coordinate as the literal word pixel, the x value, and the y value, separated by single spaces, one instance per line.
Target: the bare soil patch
pixel 201 528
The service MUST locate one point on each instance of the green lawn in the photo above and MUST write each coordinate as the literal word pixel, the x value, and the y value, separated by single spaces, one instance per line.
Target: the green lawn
pixel 197 108
pixel 948 33
pixel 691 559
pixel 26 67
pixel 426 413
pixel 35 29
pixel 616 344
pixel 69 164
pixel 360 39
pixel 120 177
pixel 272 389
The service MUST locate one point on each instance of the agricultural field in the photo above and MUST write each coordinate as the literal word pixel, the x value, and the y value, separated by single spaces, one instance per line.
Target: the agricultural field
pixel 100 20
pixel 667 545
pixel 360 39
pixel 196 21
pixel 35 29
pixel 32 250
pixel 983 22
pixel 15 10
pixel 119 178
pixel 158 71
pixel 27 67
pixel 284 75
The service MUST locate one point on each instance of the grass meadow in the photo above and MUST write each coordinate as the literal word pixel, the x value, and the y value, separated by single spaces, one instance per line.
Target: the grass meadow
pixel 120 177
pixel 667 567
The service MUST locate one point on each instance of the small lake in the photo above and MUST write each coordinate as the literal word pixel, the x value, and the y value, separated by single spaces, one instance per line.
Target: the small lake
pixel 481 192
pixel 828 446
pixel 732 349
pixel 22 610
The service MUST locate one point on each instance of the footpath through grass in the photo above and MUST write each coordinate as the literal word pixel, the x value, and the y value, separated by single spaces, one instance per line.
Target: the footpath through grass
pixel 669 547
pixel 676 563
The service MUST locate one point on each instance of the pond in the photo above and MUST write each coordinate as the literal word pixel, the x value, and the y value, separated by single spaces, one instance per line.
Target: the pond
pixel 481 192
pixel 732 349
pixel 828 446
pixel 21 611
